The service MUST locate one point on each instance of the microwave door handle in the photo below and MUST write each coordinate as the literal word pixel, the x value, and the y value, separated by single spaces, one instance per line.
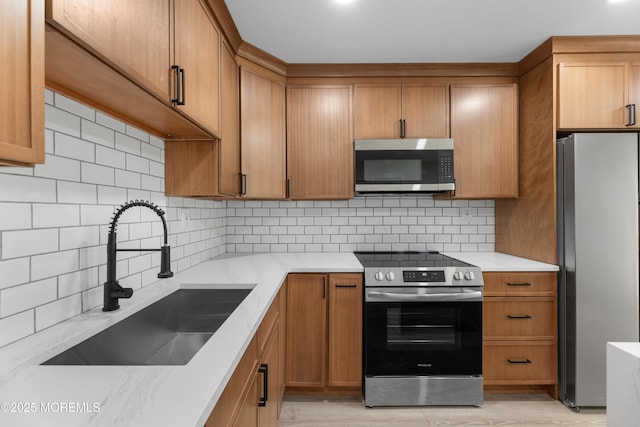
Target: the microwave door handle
pixel 454 296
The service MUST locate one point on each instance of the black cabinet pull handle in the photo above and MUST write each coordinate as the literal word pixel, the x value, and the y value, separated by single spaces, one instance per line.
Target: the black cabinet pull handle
pixel 324 287
pixel 288 190
pixel 516 362
pixel 346 286
pixel 632 114
pixel 518 284
pixel 400 122
pixel 404 128
pixel 243 184
pixel 264 370
pixel 519 316
pixel 175 68
pixel 184 89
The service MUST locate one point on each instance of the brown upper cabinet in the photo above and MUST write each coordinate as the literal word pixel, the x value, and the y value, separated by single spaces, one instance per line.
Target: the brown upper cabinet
pixel 598 95
pixel 319 142
pixel 229 165
pixel 22 112
pixel 262 132
pixel 150 43
pixel 407 110
pixel 484 128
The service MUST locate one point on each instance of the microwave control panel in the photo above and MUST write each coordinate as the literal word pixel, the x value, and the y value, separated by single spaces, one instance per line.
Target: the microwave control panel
pixel 445 166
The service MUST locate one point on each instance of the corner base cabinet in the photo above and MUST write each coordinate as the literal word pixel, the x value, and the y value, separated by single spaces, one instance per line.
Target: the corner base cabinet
pixel 324 333
pixel 520 338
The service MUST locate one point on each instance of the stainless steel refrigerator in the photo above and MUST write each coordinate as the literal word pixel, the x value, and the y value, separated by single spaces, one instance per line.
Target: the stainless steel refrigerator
pixel 598 258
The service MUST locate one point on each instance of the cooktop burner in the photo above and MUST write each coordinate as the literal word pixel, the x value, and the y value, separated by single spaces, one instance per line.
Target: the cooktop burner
pixel 407 259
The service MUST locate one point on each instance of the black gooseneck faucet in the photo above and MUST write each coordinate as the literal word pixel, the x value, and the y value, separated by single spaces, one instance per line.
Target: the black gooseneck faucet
pixel 112 289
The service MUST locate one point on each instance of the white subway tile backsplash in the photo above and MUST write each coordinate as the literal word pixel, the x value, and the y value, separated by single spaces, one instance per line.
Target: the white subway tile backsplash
pixel 58 168
pixel 15 327
pixel 76 192
pixel 96 174
pixel 53 264
pixel 110 157
pixel 75 148
pixel 16 188
pixel 127 144
pixel 77 282
pixel 128 179
pixel 57 311
pixel 55 215
pixel 94 132
pixel 28 242
pixel 14 272
pixel 59 120
pixel 20 298
pixel 15 216
pixel 74 107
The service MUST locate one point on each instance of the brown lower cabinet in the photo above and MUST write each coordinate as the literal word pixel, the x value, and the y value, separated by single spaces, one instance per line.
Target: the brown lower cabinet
pixel 253 395
pixel 520 341
pixel 316 322
pixel 324 334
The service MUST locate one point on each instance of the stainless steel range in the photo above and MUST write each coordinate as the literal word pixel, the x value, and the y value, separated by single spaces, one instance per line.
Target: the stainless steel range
pixel 422 330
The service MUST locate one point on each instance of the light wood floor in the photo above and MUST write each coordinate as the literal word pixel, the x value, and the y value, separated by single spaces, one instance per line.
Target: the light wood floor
pixel 498 409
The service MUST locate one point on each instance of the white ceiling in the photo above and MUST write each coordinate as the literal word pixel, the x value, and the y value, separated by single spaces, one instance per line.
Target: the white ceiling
pixel 406 31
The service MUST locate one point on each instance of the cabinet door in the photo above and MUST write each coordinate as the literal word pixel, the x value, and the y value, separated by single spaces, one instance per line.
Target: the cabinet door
pixel 319 142
pixel 132 35
pixel 376 111
pixel 262 130
pixel 306 329
pixel 345 330
pixel 230 126
pixel 22 82
pixel 194 27
pixel 634 91
pixel 248 412
pixel 425 110
pixel 592 95
pixel 484 128
pixel 268 414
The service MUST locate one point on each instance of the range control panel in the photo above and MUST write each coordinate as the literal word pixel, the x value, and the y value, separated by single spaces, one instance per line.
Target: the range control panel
pixel 423 276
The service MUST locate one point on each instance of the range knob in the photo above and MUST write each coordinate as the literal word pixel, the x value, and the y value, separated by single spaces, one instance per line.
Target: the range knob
pixel 469 275
pixel 390 276
pixel 457 275
pixel 379 275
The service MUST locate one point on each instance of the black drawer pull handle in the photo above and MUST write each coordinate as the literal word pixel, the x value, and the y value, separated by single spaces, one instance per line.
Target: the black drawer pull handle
pixel 519 284
pixel 516 362
pixel 264 369
pixel 346 286
pixel 519 316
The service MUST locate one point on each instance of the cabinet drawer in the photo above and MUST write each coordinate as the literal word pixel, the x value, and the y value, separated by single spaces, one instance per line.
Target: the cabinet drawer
pixel 520 283
pixel 519 318
pixel 270 319
pixel 530 363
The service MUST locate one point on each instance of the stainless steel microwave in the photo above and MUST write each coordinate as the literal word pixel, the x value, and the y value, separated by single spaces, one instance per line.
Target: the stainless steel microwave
pixel 404 165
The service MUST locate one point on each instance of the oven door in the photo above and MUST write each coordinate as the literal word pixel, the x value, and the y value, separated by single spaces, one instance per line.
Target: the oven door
pixel 421 332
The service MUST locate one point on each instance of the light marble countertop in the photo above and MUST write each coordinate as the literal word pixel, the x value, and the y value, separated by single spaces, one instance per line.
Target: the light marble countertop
pixel 111 396
pixel 497 261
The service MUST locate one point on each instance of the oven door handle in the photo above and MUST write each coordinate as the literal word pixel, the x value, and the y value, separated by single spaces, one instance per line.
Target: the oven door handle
pixel 454 296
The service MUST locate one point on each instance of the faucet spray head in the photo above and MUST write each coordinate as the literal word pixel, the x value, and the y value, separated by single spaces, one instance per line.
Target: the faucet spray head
pixel 165 262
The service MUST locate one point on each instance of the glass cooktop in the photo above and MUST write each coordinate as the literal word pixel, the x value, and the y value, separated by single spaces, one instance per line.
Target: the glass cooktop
pixel 407 259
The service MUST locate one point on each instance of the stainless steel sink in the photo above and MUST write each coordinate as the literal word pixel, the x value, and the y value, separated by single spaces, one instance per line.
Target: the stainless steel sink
pixel 168 332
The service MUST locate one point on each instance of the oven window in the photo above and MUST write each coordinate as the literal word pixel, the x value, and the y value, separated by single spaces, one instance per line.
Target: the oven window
pixel 412 338
pixel 393 170
pixel 412 329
